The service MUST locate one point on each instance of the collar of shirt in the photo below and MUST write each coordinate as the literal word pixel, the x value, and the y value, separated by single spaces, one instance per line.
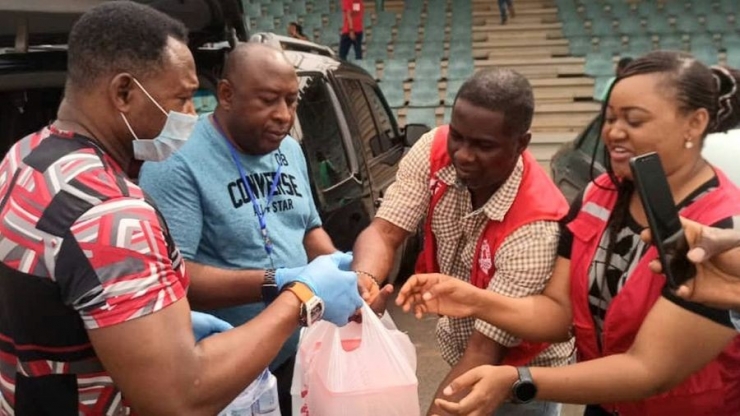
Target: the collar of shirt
pixel 500 202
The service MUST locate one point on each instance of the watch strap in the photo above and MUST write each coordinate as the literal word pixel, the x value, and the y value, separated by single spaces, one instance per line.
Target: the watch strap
pixel 524 390
pixel 311 305
pixel 301 290
pixel 269 287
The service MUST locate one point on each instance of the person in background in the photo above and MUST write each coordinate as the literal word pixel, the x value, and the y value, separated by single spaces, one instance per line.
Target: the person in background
pixel 352 28
pixel 94 317
pixel 506 7
pixel 238 199
pixel 492 220
pixel 642 350
pixel 296 31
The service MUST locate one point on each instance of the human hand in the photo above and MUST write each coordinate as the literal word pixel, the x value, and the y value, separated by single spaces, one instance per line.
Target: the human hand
pixel 205 325
pixel 329 278
pixel 439 294
pixel 352 35
pixel 372 294
pixel 488 387
pixel 716 253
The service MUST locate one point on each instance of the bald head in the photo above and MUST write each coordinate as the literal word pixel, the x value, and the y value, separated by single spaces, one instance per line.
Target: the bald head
pixel 256 58
pixel 257 97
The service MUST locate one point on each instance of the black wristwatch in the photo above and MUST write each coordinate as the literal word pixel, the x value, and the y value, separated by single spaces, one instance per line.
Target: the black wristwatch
pixel 523 391
pixel 269 287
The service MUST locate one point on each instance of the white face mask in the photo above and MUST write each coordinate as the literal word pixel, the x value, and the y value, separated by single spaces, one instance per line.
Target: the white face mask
pixel 174 134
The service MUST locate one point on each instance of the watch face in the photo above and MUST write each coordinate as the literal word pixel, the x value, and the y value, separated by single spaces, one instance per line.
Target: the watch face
pixel 314 310
pixel 525 391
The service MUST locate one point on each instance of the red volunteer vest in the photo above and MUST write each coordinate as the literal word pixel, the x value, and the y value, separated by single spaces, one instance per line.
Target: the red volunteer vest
pixel 538 199
pixel 714 390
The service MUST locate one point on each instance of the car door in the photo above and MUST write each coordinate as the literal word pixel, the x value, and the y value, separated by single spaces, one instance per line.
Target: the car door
pixel 571 167
pixel 375 127
pixel 335 172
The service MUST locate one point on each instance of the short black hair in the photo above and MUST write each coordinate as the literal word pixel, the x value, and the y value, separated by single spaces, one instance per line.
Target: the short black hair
pixel 501 90
pixel 119 36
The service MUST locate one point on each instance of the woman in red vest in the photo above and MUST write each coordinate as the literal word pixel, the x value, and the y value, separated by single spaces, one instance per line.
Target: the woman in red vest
pixel 642 350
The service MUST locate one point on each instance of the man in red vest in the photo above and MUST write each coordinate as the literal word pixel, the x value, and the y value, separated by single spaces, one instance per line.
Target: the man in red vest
pixel 491 220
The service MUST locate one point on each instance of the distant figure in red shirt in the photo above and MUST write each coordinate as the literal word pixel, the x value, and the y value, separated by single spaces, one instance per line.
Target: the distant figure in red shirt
pixel 354 11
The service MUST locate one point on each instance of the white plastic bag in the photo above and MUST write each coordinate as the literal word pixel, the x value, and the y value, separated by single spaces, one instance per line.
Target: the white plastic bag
pixel 259 399
pixel 366 369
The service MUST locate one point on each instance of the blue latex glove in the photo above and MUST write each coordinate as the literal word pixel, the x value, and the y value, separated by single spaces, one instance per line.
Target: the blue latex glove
pixel 205 325
pixel 329 278
pixel 287 275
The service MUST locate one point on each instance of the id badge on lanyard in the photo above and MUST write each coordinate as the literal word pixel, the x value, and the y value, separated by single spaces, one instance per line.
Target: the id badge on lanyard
pixel 259 210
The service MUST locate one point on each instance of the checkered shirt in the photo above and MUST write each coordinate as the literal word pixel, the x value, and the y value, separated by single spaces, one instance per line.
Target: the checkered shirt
pixel 523 262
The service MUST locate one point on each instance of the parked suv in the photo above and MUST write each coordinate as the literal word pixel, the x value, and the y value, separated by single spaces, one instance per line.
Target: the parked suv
pixel 348 133
pixel 572 165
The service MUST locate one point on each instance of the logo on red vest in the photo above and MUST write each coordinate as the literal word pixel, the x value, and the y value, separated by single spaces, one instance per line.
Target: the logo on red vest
pixel 434 183
pixel 484 260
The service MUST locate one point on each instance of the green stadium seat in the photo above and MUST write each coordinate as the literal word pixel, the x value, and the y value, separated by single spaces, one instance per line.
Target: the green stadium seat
pixel 611 45
pixel 393 91
pixel 252 9
pixel 452 87
pixel 718 23
pixel 448 115
pixel 731 41
pixel 671 42
pixel 580 46
pixel 265 25
pixel 313 20
pixel 424 93
pixel 426 68
pixel 658 24
pixel 733 58
pixel 404 50
pixel 275 9
pixel 421 116
pixel 297 7
pixel 689 24
pixel 599 64
pixel 396 69
pixel 631 27
pixel 707 56
pixel 639 45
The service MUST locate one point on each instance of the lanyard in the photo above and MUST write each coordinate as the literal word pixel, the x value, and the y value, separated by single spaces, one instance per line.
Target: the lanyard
pixel 259 210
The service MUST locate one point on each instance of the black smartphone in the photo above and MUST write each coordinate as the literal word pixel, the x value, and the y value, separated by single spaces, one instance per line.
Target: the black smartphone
pixel 662 215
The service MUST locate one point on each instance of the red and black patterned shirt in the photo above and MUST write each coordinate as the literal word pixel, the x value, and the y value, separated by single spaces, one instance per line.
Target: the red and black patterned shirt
pixel 80 248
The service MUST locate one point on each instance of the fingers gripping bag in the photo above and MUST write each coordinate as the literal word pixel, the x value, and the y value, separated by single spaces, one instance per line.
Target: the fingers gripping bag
pixel 365 369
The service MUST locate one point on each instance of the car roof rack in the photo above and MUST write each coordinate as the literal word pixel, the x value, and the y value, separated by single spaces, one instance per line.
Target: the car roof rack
pixel 291 44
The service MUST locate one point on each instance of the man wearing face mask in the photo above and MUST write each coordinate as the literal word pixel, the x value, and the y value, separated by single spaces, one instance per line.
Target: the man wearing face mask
pixel 238 199
pixel 93 313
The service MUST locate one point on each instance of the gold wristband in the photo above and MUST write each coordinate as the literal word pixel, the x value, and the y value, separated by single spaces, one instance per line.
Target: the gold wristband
pixel 368 275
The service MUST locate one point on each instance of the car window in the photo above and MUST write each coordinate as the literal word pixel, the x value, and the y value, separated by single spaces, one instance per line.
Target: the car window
pixel 591 137
pixel 317 128
pixel 363 115
pixel 388 136
pixel 26 111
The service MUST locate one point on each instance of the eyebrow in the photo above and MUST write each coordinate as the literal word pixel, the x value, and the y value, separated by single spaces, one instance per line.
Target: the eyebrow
pixel 476 139
pixel 632 108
